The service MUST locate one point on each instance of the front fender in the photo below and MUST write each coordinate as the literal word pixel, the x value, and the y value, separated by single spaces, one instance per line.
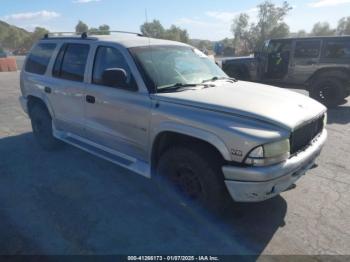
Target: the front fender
pixel 204 135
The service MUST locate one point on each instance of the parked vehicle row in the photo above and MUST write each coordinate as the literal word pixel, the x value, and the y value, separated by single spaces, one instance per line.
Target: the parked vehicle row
pixel 2 53
pixel 320 64
pixel 163 109
pixel 20 52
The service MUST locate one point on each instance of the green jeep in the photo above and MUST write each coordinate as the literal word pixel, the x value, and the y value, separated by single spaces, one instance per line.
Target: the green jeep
pixel 319 64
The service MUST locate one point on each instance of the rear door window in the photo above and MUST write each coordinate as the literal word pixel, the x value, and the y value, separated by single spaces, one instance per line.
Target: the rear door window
pixel 337 49
pixel 71 62
pixel 39 58
pixel 307 49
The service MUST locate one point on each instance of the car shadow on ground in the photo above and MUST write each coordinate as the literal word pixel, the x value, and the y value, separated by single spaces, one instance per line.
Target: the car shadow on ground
pixel 70 202
pixel 339 115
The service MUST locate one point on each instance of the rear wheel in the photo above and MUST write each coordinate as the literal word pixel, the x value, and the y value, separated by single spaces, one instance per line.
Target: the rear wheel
pixel 194 177
pixel 42 127
pixel 328 91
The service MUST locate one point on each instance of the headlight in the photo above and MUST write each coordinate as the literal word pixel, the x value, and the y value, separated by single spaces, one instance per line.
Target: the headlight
pixel 269 154
pixel 325 120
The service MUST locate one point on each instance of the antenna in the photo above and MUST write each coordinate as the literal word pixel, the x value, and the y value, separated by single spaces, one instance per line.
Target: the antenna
pixel 149 42
pixel 146 15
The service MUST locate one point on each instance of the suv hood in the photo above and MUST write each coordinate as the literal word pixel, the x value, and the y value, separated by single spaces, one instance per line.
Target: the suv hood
pixel 275 105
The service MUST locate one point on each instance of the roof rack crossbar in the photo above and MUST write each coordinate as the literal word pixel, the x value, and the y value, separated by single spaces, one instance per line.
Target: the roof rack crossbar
pixel 61 34
pixel 115 31
pixel 84 35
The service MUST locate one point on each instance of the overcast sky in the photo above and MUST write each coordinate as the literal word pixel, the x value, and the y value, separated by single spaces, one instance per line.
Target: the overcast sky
pixel 205 19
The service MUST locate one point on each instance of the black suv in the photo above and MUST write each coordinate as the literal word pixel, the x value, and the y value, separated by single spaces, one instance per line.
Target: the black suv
pixel 321 64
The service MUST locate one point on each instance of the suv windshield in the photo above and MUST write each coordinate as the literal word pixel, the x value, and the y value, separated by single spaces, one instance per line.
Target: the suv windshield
pixel 176 65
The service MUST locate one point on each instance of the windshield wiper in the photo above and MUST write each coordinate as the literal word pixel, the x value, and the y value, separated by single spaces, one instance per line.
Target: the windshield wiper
pixel 176 87
pixel 216 78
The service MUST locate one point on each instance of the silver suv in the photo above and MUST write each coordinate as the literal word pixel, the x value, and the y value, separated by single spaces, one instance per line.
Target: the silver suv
pixel 163 109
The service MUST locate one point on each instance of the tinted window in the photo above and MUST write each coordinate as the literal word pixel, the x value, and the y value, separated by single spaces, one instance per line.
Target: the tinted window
pixel 58 63
pixel 279 47
pixel 337 49
pixel 108 57
pixel 307 49
pixel 39 58
pixel 71 61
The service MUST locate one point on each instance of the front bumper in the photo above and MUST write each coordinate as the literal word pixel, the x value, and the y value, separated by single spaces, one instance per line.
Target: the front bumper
pixel 255 184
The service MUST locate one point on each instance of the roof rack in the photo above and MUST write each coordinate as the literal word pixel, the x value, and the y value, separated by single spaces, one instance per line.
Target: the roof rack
pixel 54 34
pixel 85 35
pixel 116 31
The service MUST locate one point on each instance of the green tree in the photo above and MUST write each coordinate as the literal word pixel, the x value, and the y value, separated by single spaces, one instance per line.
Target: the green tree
pixel 240 26
pixel 81 27
pixel 104 29
pixel 243 38
pixel 153 29
pixel 282 30
pixel 13 39
pixel 204 45
pixel 300 33
pixel 156 30
pixel 322 29
pixel 177 34
pixel 270 24
pixel 344 26
pixel 28 41
pixel 94 31
pixel 101 30
pixel 39 32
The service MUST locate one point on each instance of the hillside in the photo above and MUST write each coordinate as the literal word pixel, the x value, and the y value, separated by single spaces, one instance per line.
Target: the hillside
pixel 12 36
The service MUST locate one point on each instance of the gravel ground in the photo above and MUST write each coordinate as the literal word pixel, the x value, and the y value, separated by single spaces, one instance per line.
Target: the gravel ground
pixel 70 202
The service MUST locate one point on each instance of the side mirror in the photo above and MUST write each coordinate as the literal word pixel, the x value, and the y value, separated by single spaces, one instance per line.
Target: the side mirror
pixel 115 77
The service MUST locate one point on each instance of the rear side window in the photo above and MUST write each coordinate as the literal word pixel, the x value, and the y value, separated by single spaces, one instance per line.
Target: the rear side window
pixel 39 58
pixel 307 49
pixel 337 49
pixel 71 62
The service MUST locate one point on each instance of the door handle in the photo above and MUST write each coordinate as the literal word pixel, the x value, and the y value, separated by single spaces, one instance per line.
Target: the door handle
pixel 47 89
pixel 90 99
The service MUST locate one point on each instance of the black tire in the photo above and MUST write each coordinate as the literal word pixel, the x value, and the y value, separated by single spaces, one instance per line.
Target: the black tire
pixel 328 91
pixel 42 127
pixel 194 177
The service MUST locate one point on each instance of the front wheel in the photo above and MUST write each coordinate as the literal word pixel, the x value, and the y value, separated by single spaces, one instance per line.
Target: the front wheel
pixel 328 91
pixel 194 176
